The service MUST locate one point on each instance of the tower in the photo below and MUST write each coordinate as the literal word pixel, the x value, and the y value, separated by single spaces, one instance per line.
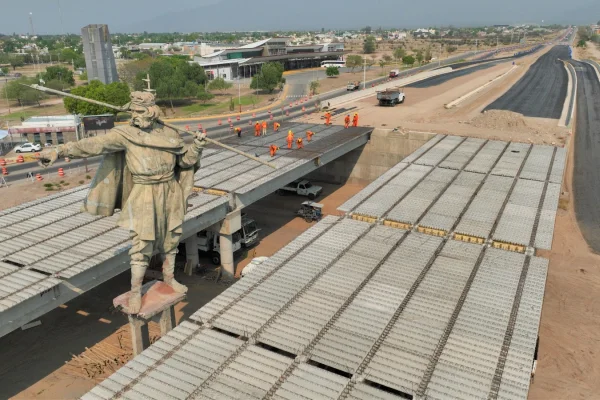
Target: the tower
pixel 99 58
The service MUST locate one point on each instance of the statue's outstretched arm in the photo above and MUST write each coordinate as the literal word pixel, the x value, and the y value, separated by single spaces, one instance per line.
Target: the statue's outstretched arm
pixel 95 146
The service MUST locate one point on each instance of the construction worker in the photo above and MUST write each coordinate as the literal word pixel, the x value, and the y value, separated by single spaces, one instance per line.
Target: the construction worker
pixel 276 126
pixel 347 121
pixel 299 143
pixel 309 135
pixel 238 130
pixel 355 120
pixel 264 126
pixel 327 118
pixel 290 139
pixel 257 129
pixel 273 150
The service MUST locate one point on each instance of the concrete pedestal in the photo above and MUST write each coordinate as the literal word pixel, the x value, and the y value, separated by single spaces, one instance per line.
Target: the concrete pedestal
pixel 157 298
pixel 227 265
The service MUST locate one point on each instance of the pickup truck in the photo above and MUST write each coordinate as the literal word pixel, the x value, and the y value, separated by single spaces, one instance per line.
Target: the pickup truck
pixel 353 86
pixel 302 188
pixel 390 97
pixel 394 73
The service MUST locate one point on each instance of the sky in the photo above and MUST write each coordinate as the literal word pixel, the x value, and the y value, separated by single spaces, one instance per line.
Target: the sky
pixel 69 16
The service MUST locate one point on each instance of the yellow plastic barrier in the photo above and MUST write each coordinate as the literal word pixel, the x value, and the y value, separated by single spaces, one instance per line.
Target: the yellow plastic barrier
pixel 469 239
pixel 397 225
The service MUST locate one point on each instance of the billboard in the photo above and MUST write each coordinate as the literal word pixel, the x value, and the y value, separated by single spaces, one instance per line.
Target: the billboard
pixel 98 122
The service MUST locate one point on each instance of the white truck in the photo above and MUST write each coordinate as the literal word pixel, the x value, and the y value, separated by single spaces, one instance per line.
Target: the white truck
pixel 301 187
pixel 352 86
pixel 208 241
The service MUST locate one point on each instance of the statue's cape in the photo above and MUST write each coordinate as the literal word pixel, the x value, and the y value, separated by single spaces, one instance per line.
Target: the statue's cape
pixel 113 181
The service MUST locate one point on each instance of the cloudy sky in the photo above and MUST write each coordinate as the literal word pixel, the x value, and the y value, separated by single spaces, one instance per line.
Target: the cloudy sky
pixel 230 15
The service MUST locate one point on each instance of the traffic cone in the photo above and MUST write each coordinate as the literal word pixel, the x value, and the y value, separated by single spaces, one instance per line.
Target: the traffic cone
pixel 291 105
pixel 20 159
pixel 67 159
pixel 287 112
pixel 238 117
pixel 250 122
pixel 219 122
pixel 2 162
pixel 271 117
pixel 303 109
pixel 187 127
pixel 229 120
pixel 253 115
pixel 199 127
pixel 61 172
pixel 269 111
pixel 38 177
pixel 4 171
pixel 204 130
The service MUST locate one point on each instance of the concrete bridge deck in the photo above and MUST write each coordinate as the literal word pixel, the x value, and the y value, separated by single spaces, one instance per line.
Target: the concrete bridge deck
pixel 51 252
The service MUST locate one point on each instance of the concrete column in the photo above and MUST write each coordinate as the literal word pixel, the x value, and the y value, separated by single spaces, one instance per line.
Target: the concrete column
pixel 227 266
pixel 191 254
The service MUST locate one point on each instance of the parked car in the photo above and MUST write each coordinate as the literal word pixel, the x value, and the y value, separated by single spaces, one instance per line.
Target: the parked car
pixel 28 148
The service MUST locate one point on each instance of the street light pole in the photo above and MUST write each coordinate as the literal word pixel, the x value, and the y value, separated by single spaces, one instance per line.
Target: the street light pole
pixel 239 94
pixel 364 73
pixel 6 94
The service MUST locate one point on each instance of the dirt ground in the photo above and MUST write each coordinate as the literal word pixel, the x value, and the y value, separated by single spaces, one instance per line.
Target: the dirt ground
pixel 423 109
pixel 569 365
pixel 590 52
pixel 39 363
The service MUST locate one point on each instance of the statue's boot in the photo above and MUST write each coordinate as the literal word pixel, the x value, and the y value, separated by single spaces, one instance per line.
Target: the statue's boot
pixel 168 268
pixel 138 270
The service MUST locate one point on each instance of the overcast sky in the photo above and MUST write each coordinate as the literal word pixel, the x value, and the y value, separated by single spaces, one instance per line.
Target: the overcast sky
pixel 229 15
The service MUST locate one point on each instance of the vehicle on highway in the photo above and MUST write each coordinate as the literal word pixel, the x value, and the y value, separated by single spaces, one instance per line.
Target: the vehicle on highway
pixel 390 97
pixel 27 148
pixel 352 86
pixel 333 63
pixel 301 187
pixel 394 73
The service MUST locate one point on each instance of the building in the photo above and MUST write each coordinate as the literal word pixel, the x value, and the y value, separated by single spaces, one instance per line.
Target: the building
pixel 99 57
pixel 245 61
pixel 49 130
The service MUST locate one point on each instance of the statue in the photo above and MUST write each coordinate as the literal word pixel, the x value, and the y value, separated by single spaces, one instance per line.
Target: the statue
pixel 147 172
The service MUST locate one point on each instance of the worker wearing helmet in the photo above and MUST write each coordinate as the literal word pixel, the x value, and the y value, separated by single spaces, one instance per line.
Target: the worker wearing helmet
pixel 238 130
pixel 290 139
pixel 309 135
pixel 264 128
pixel 276 126
pixel 257 129
pixel 355 120
pixel 273 150
pixel 347 121
pixel 299 143
pixel 327 118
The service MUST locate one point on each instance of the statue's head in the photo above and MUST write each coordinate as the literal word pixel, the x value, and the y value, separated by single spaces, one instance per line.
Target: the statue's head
pixel 143 109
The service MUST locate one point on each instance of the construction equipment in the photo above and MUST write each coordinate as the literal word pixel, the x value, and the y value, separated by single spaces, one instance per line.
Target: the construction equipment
pixel 390 97
pixel 125 108
pixel 310 211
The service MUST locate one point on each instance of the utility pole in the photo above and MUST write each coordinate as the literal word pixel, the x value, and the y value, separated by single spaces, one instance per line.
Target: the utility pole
pixel 364 73
pixel 6 94
pixel 239 94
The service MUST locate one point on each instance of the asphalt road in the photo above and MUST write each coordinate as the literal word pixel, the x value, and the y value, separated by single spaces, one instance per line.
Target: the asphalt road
pixel 438 80
pixel 586 172
pixel 541 91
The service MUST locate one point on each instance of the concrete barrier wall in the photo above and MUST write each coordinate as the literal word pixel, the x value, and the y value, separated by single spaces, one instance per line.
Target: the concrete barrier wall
pixel 363 165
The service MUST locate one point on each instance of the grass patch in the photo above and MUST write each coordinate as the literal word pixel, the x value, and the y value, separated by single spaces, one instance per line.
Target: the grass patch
pixel 48 185
pixel 81 182
pixel 88 177
pixel 20 114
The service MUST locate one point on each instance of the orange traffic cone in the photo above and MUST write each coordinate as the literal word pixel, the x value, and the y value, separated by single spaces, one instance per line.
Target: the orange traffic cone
pixel 4 171
pixel 219 122
pixel 2 162
pixel 38 177
pixel 238 117
pixel 61 172
pixel 20 159
pixel 271 117
pixel 67 159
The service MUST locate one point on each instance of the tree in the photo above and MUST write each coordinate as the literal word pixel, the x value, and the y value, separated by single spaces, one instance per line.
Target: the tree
pixel 57 73
pixel 367 30
pixel 23 94
pixel 204 95
pixel 399 53
pixel 231 104
pixel 332 71
pixel 116 93
pixel 5 70
pixel 219 84
pixel 387 59
pixel 16 62
pixel 408 60
pixel 428 55
pixel 419 56
pixel 269 77
pixel 451 49
pixel 369 45
pixel 354 61
pixel 83 76
pixel 581 43
pixel 314 85
pixel 381 63
pixel 130 69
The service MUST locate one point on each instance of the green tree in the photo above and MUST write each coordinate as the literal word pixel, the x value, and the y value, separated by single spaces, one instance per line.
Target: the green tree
pixel 367 30
pixel 369 45
pixel 23 94
pixel 387 59
pixel 354 61
pixel 269 77
pixel 116 93
pixel 428 55
pixel 83 76
pixel 381 64
pixel 57 73
pixel 332 71
pixel 231 104
pixel 408 60
pixel 56 85
pixel 399 53
pixel 219 84
pixel 419 56
pixel 204 95
pixel 5 70
pixel 451 49
pixel 314 85
pixel 17 62
pixel 581 43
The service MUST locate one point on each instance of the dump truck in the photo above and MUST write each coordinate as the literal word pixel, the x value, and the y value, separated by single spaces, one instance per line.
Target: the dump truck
pixel 390 97
pixel 208 241
pixel 353 86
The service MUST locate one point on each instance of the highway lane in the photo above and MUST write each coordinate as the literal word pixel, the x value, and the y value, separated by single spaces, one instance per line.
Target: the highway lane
pixel 438 80
pixel 586 172
pixel 541 91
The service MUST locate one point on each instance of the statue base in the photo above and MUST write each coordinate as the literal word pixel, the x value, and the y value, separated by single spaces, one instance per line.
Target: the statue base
pixel 157 298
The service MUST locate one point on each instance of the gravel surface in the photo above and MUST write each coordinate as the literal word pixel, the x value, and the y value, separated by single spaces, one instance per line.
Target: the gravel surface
pixel 541 91
pixel 586 174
